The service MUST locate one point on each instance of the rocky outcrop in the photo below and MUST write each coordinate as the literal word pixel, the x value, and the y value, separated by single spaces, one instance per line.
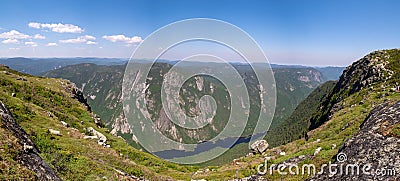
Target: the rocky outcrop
pixel 370 69
pixel 101 138
pixel 76 93
pixel 374 145
pixel 259 146
pixel 362 73
pixel 29 156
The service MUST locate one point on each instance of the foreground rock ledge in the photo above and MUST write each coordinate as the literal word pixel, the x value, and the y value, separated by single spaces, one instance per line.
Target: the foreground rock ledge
pixel 29 155
pixel 374 145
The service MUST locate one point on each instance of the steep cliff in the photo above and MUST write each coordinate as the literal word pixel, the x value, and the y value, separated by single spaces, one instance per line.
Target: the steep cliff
pixel 102 86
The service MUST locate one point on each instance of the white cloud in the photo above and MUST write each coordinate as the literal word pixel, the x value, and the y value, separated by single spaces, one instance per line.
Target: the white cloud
pixel 12 48
pixel 34 25
pixel 8 41
pixel 136 39
pixel 76 40
pixel 81 39
pixel 14 34
pixel 88 37
pixel 123 38
pixel 91 43
pixel 59 28
pixel 51 44
pixel 39 37
pixel 31 43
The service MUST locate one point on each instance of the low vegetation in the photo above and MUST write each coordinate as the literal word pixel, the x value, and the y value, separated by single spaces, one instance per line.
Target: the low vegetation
pixel 39 104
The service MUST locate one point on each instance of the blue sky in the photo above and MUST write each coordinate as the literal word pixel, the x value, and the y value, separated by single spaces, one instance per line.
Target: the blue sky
pixel 290 32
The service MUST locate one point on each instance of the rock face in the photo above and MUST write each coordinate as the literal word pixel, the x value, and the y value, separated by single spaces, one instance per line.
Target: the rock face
pixel 29 155
pixel 259 146
pixel 375 144
pixel 362 73
pixel 77 94
pixel 370 69
pixel 102 86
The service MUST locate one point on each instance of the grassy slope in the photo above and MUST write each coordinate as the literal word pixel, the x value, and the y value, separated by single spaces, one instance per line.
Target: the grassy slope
pixel 9 149
pixel 72 157
pixel 342 125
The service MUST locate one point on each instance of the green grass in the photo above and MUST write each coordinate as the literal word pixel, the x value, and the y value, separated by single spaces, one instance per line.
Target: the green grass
pixel 395 131
pixel 40 104
pixel 9 149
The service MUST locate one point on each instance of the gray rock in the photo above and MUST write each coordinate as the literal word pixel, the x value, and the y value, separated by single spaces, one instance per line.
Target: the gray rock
pixel 317 151
pixel 373 145
pixel 29 156
pixel 55 132
pixel 64 124
pixel 259 146
pixel 101 138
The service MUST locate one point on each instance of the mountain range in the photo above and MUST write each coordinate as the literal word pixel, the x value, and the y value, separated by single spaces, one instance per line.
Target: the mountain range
pixel 102 85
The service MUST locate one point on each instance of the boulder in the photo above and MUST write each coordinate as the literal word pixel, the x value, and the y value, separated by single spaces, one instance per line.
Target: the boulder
pixel 317 151
pixel 55 132
pixel 90 137
pixel 259 146
pixel 235 162
pixel 22 78
pixel 102 139
pixel 64 124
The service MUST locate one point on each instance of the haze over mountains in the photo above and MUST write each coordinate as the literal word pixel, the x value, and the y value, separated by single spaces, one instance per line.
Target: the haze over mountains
pixel 38 66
